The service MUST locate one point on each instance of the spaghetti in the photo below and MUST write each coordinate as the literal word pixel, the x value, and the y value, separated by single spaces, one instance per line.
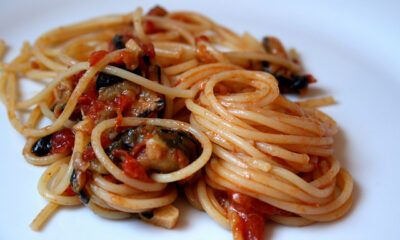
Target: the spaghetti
pixel 141 105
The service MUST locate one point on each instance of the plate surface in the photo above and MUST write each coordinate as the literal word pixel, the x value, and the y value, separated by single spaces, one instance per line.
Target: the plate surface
pixel 353 50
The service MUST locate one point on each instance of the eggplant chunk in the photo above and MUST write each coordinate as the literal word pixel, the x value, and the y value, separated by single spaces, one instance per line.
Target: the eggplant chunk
pixel 78 181
pixel 165 217
pixel 119 41
pixel 105 80
pixel 274 46
pixel 169 150
pixel 126 140
pixel 126 88
pixel 146 59
pixel 287 82
pixel 148 104
pixel 181 140
pixel 153 107
pixel 164 150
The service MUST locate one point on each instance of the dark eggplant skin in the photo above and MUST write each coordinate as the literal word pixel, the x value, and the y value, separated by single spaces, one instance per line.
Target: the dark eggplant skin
pixel 146 59
pixel 289 83
pixel 42 146
pixel 147 215
pixel 156 107
pixel 106 80
pixel 265 42
pixel 78 189
pixel 118 41
pixel 293 84
pixel 125 141
pixel 173 138
pixel 181 140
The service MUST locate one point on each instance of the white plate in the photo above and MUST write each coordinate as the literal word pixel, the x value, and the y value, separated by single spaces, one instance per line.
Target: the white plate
pixel 353 50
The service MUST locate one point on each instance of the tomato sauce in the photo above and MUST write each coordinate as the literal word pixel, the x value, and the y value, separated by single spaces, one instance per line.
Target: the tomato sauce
pixel 130 166
pixel 125 58
pixel 96 56
pixel 157 11
pixel 75 78
pixel 92 106
pixel 69 191
pixel 122 104
pixel 88 154
pixel 62 141
pixel 247 216
pixel 202 52
pixel 111 178
pixel 140 146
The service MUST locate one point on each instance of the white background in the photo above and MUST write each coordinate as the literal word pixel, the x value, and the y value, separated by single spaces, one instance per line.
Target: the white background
pixel 352 48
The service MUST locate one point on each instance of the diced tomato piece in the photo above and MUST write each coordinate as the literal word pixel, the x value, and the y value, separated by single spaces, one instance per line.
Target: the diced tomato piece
pixel 62 141
pixel 96 56
pixel 181 17
pixel 246 221
pixel 148 48
pixel 110 178
pixel 201 38
pixel 75 78
pixel 246 202
pixel 105 140
pixel 310 78
pixel 202 52
pixel 131 167
pixel 69 191
pixel 139 146
pixel 126 58
pixel 35 65
pixel 90 104
pixel 150 28
pixel 123 103
pixel 88 154
pixel 247 217
pixel 157 11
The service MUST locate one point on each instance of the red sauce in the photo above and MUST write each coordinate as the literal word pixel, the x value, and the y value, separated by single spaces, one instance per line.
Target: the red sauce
pixel 311 78
pixel 88 154
pixel 201 38
pixel 105 140
pixel 157 11
pixel 96 56
pixel 126 58
pixel 148 48
pixel 69 192
pixel 139 146
pixel 35 65
pixel 110 178
pixel 130 166
pixel 247 216
pixel 90 104
pixel 75 78
pixel 182 18
pixel 202 52
pixel 62 141
pixel 122 103
pixel 150 28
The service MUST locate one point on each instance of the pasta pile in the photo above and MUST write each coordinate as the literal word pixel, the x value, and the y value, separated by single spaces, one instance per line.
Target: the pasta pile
pixel 146 106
